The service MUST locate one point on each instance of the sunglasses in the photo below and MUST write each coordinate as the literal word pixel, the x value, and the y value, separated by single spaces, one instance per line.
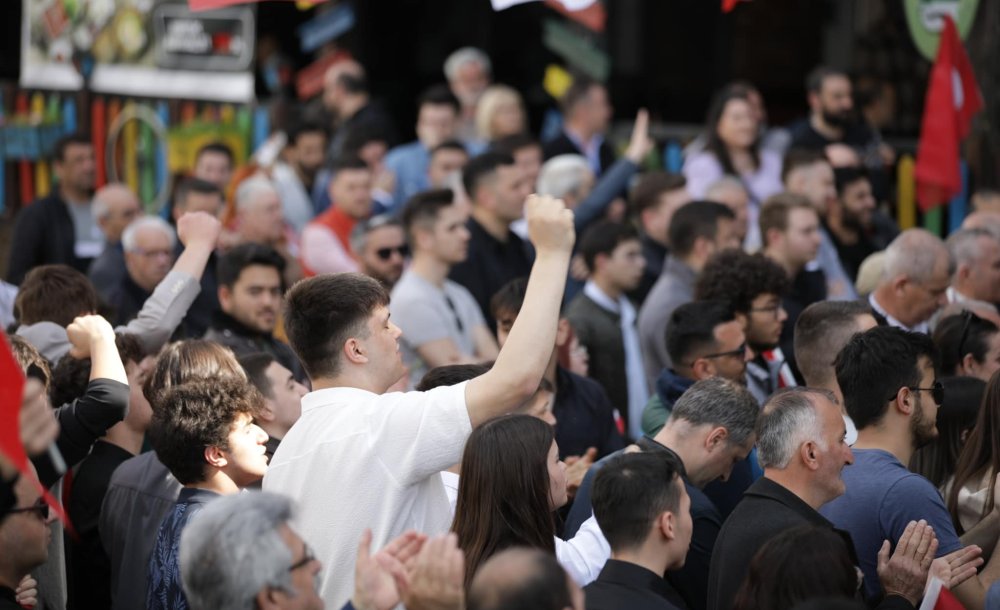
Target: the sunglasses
pixel 739 352
pixel 40 508
pixel 386 253
pixel 936 390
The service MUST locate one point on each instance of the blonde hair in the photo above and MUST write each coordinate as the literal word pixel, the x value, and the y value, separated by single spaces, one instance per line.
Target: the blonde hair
pixel 490 102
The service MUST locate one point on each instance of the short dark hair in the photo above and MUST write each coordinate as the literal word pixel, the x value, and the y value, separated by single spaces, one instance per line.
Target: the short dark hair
pixel 691 328
pixel 439 95
pixel 961 334
pixel 424 207
pixel 358 136
pixel 322 312
pixel 71 376
pixel 194 185
pixel 740 278
pixel 255 365
pixel 481 168
pixel 451 374
pixel 800 157
pixel 694 220
pixel 511 144
pixel 630 492
pixel 219 148
pixel 454 145
pixel 819 74
pixel 301 128
pixel 777 208
pixel 510 298
pixel 544 586
pixel 577 92
pixel 651 186
pixel 233 262
pixel 874 365
pixel 822 330
pixel 602 238
pixel 201 414
pixel 63 144
pixel 844 177
pixel 54 293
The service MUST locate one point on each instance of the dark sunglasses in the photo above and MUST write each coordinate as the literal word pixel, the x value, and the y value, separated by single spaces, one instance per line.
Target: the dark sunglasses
pixel 936 390
pixel 738 352
pixel 41 508
pixel 386 253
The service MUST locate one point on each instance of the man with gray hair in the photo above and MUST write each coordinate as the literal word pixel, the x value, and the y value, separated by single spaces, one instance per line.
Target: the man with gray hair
pixel 148 244
pixel 976 258
pixel 800 445
pixel 115 206
pixel 260 220
pixel 914 282
pixel 469 72
pixel 710 430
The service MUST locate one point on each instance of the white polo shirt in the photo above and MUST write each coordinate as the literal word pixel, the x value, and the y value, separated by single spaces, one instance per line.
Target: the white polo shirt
pixel 357 459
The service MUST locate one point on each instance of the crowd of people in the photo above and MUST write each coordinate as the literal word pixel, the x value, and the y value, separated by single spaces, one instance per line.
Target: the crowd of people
pixel 482 370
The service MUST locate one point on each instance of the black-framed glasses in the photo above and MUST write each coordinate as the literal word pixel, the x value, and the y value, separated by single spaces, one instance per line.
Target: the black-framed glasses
pixel 771 309
pixel 936 390
pixel 40 508
pixel 386 253
pixel 307 557
pixel 739 352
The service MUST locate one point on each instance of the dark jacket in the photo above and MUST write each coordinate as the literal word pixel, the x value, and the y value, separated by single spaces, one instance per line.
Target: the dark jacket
pixel 108 269
pixel 599 330
pixel 43 235
pixel 127 300
pixel 227 331
pixel 584 416
pixel 562 145
pixel 623 585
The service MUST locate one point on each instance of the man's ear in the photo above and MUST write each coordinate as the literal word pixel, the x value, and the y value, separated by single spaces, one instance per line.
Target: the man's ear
pixel 216 457
pixel 225 298
pixel 809 454
pixel 702 368
pixel 900 281
pixel 716 438
pixel 266 599
pixel 354 351
pixel 562 332
pixel 267 411
pixel 667 525
pixel 904 401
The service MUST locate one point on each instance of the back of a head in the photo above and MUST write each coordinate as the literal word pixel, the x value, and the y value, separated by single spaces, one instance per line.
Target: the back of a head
pixel 602 238
pixel 563 175
pixel 520 579
pixel 915 253
pixel 71 376
pixel 800 158
pixel 187 186
pixel 234 261
pixel 874 365
pixel 196 415
pixel 651 186
pixel 719 402
pixel 233 548
pixel 821 331
pixel 691 328
pixel 694 220
pixel 630 492
pixel 54 293
pixel 958 335
pixel 798 564
pixel 739 277
pixel 482 169
pixel 964 245
pixel 30 360
pixel 451 374
pixel 183 361
pixel 789 418
pixel 322 312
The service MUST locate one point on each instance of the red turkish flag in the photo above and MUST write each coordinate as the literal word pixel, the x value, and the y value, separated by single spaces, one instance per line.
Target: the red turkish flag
pixel 953 98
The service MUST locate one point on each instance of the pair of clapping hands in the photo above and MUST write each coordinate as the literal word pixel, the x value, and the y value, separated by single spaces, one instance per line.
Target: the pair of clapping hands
pixel 905 573
pixel 419 572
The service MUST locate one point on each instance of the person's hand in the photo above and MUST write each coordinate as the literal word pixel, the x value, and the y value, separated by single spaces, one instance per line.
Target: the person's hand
pixel 434 579
pixel 27 592
pixel 374 576
pixel 640 143
pixel 550 224
pixel 199 228
pixel 955 568
pixel 905 573
pixel 577 467
pixel 37 421
pixel 85 331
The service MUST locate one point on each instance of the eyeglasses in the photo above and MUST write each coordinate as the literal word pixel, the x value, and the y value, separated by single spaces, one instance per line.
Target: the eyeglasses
pixel 936 390
pixel 386 253
pixel 739 352
pixel 307 557
pixel 771 309
pixel 40 508
pixel 153 253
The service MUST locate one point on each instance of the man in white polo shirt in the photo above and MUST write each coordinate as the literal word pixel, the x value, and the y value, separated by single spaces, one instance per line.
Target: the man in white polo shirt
pixel 358 458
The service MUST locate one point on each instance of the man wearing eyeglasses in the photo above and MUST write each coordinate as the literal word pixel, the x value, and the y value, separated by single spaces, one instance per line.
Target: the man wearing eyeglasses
pixel 149 245
pixel 24 539
pixel 440 319
pixel 888 378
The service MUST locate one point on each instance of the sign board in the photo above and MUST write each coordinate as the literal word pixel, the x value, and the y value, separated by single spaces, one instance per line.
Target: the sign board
pixel 148 48
pixel 925 18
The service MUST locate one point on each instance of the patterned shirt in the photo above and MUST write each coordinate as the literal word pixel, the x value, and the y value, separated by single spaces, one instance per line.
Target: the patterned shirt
pixel 164 583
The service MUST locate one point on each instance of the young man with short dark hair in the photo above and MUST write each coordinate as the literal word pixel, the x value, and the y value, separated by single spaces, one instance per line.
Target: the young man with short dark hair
pixel 326 240
pixel 215 163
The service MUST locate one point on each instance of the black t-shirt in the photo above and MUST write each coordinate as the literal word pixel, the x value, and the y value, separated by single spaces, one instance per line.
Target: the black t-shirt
pixel 808 287
pixel 852 255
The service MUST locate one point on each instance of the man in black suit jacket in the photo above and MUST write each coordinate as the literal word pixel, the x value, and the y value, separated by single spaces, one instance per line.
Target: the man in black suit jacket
pixel 586 116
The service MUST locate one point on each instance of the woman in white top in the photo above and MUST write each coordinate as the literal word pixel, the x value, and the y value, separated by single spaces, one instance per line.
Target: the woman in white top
pixel 733 148
pixel 969 493
pixel 512 482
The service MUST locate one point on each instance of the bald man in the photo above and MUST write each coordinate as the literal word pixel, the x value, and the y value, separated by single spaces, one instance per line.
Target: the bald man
pixel 115 207
pixel 347 97
pixel 523 578
pixel 915 277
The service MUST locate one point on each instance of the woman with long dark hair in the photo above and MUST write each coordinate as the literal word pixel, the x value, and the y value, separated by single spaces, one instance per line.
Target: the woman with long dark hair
pixel 512 480
pixel 956 418
pixel 970 492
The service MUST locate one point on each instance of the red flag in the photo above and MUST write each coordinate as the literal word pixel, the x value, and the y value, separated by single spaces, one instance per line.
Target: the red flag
pixel 728 5
pixel 953 98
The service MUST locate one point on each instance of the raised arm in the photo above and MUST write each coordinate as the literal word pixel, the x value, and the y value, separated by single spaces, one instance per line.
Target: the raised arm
pixel 521 362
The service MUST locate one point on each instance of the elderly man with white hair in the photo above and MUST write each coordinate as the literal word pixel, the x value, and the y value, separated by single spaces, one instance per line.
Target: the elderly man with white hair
pixel 469 72
pixel 976 256
pixel 916 274
pixel 149 244
pixel 115 206
pixel 260 220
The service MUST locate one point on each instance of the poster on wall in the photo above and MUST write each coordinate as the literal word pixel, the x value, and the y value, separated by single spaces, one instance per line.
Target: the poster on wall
pixel 149 48
pixel 926 20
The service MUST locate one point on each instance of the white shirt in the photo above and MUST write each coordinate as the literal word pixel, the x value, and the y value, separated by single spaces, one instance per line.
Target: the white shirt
pixel 450 482
pixel 355 459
